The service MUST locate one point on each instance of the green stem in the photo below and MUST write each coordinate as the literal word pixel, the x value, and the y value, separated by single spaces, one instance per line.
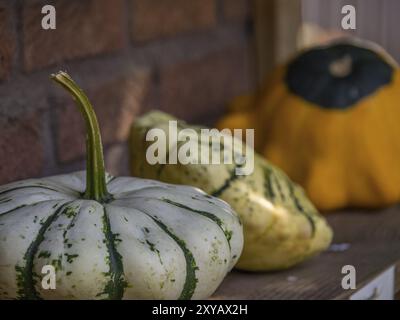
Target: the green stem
pixel 96 188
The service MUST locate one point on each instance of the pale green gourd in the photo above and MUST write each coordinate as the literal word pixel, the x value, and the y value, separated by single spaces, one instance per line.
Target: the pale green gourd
pixel 281 226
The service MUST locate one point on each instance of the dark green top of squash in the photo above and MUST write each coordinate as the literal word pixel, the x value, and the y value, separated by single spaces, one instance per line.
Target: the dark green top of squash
pixel 337 76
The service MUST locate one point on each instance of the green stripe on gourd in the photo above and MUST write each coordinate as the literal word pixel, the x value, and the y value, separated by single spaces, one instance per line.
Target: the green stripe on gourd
pixel 12 210
pixel 27 187
pixel 282 182
pixel 116 286
pixel 25 276
pixel 191 267
pixel 228 183
pixel 269 190
pixel 227 233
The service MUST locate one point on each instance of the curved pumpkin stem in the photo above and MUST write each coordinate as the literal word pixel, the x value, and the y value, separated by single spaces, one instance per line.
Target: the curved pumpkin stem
pixel 96 188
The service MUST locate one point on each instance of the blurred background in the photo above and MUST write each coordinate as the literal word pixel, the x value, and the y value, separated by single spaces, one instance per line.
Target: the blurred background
pixel 186 57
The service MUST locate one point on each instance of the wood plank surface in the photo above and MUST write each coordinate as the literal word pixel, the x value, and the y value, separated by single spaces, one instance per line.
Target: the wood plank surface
pixel 368 240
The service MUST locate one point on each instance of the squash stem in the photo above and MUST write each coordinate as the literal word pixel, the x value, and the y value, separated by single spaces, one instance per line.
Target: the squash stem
pixel 96 188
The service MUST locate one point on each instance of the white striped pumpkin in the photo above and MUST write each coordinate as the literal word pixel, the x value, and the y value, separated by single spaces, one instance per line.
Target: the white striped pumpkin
pixel 110 237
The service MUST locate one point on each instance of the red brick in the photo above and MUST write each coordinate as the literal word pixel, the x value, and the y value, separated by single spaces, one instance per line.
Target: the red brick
pixel 236 10
pixel 152 19
pixel 116 159
pixel 116 103
pixel 84 28
pixel 21 148
pixel 200 89
pixel 7 44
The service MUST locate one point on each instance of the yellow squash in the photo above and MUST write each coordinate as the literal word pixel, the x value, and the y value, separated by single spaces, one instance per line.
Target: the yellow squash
pixel 330 119
pixel 281 226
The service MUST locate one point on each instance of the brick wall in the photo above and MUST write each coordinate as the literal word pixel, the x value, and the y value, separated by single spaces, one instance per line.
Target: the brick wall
pixel 187 57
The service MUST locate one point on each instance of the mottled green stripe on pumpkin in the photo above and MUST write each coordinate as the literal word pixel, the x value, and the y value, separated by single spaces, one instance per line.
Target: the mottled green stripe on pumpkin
pixel 300 208
pixel 283 183
pixel 191 267
pixel 218 221
pixel 279 188
pixel 269 190
pixel 27 187
pixel 5 200
pixel 228 182
pixel 25 278
pixel 115 287
pixel 12 210
pixel 25 205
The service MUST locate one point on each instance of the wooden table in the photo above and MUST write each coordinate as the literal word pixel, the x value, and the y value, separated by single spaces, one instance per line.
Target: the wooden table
pixel 368 240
